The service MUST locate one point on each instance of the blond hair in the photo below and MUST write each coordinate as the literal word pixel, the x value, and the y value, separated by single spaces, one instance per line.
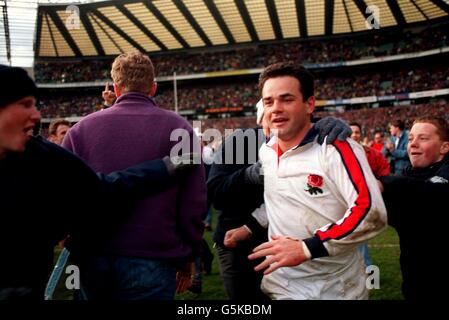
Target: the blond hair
pixel 133 72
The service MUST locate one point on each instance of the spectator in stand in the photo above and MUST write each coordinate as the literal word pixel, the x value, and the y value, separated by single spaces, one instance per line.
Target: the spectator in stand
pixel 241 95
pixel 352 47
pixel 152 253
pixel 57 130
pixel 365 141
pixel 378 142
pixel 377 161
pixel 109 96
pixel 396 149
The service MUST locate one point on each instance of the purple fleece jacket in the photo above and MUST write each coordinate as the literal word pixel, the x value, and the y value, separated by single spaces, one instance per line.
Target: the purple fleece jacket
pixel 135 129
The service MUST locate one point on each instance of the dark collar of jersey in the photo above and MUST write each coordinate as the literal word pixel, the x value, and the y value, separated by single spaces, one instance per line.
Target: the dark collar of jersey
pixel 428 172
pixel 310 136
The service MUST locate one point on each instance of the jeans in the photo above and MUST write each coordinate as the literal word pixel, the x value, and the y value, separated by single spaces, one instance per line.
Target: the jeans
pixel 126 278
pixel 363 248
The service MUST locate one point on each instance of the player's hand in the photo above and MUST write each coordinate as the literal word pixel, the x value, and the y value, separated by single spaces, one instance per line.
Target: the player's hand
pixel 280 252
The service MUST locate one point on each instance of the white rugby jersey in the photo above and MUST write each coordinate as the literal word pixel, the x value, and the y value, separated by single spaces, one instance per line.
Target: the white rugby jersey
pixel 327 196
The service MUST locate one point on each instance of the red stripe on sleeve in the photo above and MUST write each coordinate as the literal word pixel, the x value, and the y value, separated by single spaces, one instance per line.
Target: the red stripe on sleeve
pixel 362 202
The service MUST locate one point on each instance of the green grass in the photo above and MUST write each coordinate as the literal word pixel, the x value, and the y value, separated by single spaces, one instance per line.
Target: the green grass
pixel 384 251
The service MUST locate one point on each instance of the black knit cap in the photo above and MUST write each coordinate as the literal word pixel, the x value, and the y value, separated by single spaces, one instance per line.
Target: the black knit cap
pixel 15 84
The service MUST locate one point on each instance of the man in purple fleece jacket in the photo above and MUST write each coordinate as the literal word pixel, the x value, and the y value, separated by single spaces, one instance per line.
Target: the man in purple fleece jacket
pixel 162 233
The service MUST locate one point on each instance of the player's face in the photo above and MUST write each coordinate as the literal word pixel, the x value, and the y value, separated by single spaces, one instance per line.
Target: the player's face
pixel 285 110
pixel 425 146
pixel 16 120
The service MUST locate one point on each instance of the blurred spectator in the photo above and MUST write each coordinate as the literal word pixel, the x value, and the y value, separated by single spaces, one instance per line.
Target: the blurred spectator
pixel 396 149
pixel 376 160
pixel 203 97
pixel 108 96
pixel 57 130
pixel 378 142
pixel 352 47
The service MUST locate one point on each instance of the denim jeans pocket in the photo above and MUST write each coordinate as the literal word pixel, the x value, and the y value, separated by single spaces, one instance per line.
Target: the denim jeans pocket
pixel 139 278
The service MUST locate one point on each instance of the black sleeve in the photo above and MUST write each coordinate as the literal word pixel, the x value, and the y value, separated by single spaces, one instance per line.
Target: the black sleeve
pixel 78 189
pixel 94 205
pixel 402 196
pixel 225 182
pixel 227 188
pixel 257 230
pixel 138 181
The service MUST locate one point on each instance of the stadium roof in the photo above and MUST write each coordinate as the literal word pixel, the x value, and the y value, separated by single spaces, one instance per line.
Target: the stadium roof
pixel 111 27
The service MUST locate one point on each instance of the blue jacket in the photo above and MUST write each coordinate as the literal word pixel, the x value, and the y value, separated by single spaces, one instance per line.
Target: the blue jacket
pixel 398 158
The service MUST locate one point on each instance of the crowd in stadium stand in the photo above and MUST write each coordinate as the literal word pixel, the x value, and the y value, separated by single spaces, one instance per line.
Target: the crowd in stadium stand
pixel 258 56
pixel 70 106
pixel 245 94
pixel 382 83
pixel 371 120
pixel 210 96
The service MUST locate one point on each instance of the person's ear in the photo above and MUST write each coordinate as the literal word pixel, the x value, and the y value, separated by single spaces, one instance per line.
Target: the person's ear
pixel 444 149
pixel 117 90
pixel 153 89
pixel 310 104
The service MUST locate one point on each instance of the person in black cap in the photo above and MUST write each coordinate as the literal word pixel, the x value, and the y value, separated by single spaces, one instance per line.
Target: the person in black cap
pixel 83 204
pixel 17 103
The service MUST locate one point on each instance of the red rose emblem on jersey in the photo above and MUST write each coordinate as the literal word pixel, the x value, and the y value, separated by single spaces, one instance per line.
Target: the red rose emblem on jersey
pixel 315 181
pixel 314 184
